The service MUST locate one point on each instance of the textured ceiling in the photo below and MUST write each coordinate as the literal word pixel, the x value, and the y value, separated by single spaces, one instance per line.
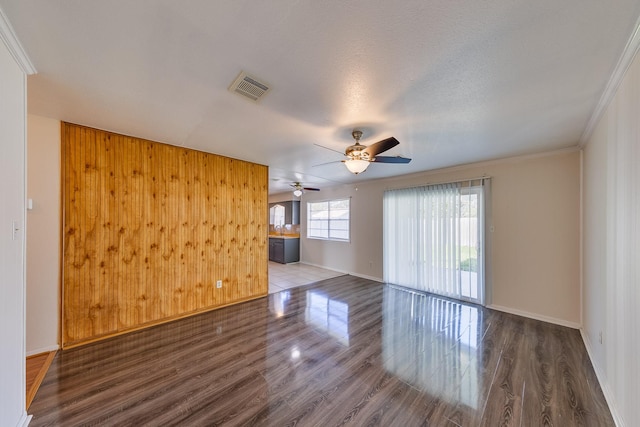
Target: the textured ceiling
pixel 455 81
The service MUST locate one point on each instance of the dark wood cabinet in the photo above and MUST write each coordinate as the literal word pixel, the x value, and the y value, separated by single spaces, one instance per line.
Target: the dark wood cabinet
pixel 276 250
pixel 292 212
pixel 284 250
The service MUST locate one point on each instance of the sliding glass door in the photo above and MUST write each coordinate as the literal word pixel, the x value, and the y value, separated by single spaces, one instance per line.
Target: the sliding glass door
pixel 434 239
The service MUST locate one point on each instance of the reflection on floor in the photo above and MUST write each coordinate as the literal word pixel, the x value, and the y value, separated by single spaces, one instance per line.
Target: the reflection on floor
pixel 287 276
pixel 341 351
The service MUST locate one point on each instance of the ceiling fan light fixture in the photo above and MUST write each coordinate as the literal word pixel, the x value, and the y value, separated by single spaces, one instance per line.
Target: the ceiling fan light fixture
pixel 356 166
pixel 297 192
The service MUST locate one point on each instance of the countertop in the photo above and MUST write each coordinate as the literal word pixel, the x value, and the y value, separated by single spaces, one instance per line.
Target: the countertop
pixel 280 236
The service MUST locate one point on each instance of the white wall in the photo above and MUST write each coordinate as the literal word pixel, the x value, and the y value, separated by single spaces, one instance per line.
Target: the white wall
pixel 536 256
pixel 12 210
pixel 611 248
pixel 43 234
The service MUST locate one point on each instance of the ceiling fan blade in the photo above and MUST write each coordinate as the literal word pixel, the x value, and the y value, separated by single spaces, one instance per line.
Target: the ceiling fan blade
pixel 389 159
pixel 310 189
pixel 327 148
pixel 381 147
pixel 327 163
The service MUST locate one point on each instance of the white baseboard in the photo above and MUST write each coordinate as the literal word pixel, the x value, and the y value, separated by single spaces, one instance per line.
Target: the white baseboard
pixel 362 276
pixel 323 266
pixel 604 385
pixel 24 420
pixel 41 350
pixel 534 316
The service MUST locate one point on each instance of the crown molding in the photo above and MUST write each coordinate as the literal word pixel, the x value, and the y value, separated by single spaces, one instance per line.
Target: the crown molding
pixel 481 164
pixel 8 36
pixel 628 54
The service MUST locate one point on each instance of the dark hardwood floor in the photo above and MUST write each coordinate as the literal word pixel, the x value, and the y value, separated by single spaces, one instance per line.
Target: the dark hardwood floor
pixel 342 351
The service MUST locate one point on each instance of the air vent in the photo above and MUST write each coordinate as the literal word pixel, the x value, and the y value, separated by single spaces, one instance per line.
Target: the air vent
pixel 249 87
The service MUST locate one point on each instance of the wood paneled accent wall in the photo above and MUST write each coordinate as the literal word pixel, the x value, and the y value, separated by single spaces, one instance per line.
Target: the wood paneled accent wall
pixel 149 228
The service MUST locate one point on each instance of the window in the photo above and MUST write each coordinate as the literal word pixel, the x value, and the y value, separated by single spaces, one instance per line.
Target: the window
pixel 276 215
pixel 328 220
pixel 434 239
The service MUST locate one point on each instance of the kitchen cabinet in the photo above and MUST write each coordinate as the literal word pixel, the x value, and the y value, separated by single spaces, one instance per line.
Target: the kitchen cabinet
pixel 292 212
pixel 284 250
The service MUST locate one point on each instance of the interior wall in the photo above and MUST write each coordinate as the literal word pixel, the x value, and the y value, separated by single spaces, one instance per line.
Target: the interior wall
pixel 535 245
pixel 148 230
pixel 611 249
pixel 12 247
pixel 43 234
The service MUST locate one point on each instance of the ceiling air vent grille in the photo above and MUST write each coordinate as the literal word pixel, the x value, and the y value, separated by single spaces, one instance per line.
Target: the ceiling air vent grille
pixel 249 86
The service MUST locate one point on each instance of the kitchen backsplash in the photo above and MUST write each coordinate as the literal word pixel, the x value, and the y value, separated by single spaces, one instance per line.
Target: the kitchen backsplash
pixel 289 230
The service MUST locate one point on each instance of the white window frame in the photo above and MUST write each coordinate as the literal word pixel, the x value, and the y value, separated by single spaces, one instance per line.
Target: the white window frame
pixel 328 220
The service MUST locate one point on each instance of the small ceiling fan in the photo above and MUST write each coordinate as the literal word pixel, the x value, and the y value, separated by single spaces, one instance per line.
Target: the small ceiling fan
pixel 299 189
pixel 359 156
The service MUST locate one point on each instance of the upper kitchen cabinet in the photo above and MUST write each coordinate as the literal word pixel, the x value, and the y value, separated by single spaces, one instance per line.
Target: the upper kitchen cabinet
pixel 293 211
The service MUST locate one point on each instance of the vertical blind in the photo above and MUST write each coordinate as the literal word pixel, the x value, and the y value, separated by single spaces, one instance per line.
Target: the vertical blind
pixel 434 239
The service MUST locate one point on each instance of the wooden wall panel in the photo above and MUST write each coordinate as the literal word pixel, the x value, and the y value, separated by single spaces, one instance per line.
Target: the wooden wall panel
pixel 149 228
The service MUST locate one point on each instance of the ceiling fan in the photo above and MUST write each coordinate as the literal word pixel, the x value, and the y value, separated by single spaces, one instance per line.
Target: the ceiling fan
pixel 299 189
pixel 359 156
